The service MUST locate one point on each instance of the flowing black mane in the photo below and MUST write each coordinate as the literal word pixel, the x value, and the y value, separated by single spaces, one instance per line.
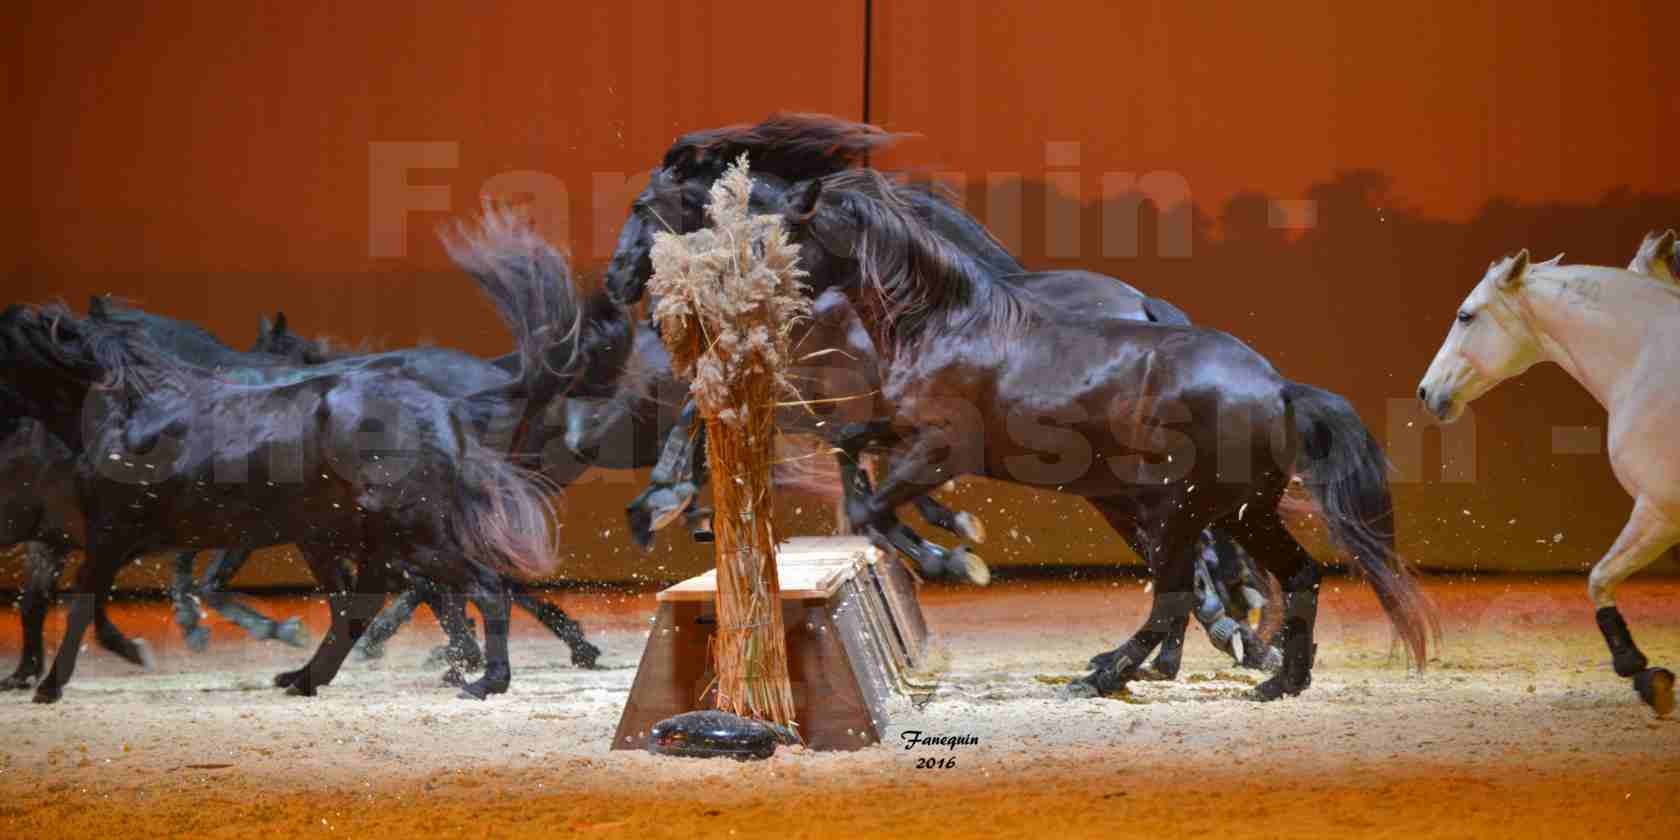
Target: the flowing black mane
pixel 102 352
pixel 793 146
pixel 913 276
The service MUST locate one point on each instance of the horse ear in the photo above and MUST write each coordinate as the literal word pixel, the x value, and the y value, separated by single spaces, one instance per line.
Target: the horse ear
pixel 804 203
pixel 1665 245
pixel 279 323
pixel 1513 276
pixel 98 308
pixel 263 326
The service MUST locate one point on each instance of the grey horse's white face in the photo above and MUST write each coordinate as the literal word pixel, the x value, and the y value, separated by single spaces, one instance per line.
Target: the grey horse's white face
pixel 1489 342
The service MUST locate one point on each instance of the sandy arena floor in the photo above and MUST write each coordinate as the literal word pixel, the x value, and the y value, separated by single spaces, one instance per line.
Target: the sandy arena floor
pixel 1518 729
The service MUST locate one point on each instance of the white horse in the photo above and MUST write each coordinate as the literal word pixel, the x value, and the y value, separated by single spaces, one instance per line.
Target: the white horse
pixel 1618 333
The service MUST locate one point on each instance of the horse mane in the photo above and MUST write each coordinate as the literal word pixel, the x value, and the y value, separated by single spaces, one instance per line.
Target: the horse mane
pixel 608 349
pixel 914 274
pixel 120 350
pixel 793 146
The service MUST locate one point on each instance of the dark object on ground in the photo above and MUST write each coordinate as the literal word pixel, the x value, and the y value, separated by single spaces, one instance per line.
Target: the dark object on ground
pixel 714 734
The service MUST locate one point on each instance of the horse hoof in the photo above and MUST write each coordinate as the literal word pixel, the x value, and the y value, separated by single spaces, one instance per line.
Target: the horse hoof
pixel 286 679
pixel 47 693
pixel 143 655
pixel 198 639
pixel 18 682
pixel 968 566
pixel 299 689
pixel 1267 691
pixel 481 690
pixel 1152 673
pixel 1656 688
pixel 1101 661
pixel 292 632
pixel 444 656
pixel 970 528
pixel 1277 688
pixel 665 508
pixel 454 678
pixel 1079 689
pixel 585 655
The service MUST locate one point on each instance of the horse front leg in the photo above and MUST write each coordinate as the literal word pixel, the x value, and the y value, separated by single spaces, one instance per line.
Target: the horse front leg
pixel 43 563
pixel 98 572
pixel 675 481
pixel 962 523
pixel 1647 534
pixel 351 613
pixel 873 512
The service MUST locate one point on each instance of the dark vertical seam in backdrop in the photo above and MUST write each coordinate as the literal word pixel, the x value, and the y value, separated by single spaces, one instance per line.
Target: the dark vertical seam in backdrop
pixel 868 59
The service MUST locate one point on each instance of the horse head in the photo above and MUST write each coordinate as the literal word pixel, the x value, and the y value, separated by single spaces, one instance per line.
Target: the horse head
pixel 1488 343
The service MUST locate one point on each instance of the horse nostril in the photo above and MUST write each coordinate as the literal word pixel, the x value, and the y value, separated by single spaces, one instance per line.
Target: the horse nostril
pixel 1423 394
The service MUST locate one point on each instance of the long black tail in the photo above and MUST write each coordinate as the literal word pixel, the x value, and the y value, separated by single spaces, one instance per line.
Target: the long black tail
pixel 530 283
pixel 1345 469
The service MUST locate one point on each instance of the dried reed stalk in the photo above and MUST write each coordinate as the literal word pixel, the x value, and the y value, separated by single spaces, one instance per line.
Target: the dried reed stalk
pixel 729 295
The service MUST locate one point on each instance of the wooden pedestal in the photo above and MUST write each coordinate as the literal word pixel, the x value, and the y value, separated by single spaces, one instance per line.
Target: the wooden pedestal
pixel 854 628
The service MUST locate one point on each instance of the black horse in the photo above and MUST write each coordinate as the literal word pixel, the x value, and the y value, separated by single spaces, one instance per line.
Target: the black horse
pixel 791 146
pixel 783 149
pixel 603 355
pixel 1167 429
pixel 174 455
pixel 42 515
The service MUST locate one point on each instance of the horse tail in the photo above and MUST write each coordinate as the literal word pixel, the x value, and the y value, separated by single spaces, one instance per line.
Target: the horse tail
pixel 1345 470
pixel 529 282
pixel 502 514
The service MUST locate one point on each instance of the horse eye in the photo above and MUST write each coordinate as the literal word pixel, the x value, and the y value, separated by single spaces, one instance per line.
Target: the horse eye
pixel 1466 317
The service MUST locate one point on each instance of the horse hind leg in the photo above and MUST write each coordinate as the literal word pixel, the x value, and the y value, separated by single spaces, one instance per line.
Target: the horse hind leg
pixel 496 610
pixel 1169 610
pixel 214 592
pixel 1277 550
pixel 183 594
pixel 385 625
pixel 584 654
pixel 1647 534
pixel 111 637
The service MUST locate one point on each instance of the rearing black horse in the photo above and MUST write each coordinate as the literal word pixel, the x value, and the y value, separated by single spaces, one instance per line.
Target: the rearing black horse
pixel 791 146
pixel 1167 430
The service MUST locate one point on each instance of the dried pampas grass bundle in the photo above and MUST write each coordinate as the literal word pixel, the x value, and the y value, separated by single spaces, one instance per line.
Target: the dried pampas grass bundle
pixel 728 296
